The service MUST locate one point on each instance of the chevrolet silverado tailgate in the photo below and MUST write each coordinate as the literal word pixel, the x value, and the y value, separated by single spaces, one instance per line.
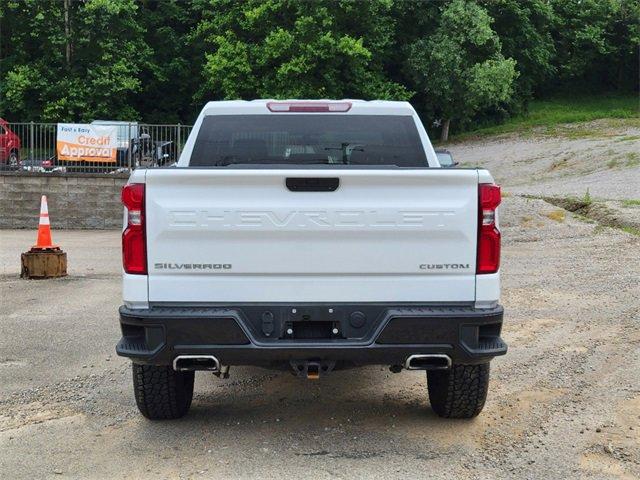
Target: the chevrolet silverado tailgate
pixel 249 235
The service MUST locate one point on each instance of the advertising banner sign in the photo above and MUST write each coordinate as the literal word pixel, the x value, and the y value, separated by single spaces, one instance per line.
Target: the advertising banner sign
pixel 80 142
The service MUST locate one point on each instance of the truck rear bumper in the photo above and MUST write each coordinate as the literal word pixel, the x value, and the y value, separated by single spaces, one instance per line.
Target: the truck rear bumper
pixel 277 335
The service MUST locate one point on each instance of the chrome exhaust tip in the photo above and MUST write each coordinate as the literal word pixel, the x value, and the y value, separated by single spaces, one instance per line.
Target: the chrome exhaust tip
pixel 186 363
pixel 432 361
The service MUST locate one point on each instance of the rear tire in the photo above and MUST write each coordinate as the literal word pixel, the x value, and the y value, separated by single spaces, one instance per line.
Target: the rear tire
pixel 161 392
pixel 459 392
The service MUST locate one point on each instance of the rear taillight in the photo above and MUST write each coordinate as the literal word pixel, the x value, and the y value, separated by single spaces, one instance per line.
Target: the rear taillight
pixel 309 106
pixel 488 233
pixel 134 253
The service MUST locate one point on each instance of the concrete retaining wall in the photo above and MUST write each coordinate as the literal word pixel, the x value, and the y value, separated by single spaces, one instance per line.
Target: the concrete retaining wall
pixel 75 200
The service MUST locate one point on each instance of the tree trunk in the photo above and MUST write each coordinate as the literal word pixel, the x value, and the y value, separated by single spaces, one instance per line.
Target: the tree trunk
pixel 444 135
pixel 67 33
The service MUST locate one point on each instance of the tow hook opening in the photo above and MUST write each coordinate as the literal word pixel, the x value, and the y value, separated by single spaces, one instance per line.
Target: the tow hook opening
pixel 434 361
pixel 312 369
pixel 184 363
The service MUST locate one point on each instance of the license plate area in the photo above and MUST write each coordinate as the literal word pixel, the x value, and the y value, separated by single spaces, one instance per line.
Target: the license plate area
pixel 311 330
pixel 312 324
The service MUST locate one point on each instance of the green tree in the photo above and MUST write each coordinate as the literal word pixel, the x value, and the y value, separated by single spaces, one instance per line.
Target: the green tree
pixel 172 73
pixel 459 67
pixel 158 60
pixel 82 68
pixel 29 28
pixel 285 48
pixel 597 43
pixel 525 31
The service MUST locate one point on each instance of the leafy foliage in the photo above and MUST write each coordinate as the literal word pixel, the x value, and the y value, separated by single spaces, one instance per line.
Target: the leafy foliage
pixel 469 61
pixel 597 42
pixel 459 66
pixel 525 31
pixel 102 74
pixel 281 48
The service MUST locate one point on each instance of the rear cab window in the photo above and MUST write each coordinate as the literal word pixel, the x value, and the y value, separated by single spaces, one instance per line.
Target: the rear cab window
pixel 308 139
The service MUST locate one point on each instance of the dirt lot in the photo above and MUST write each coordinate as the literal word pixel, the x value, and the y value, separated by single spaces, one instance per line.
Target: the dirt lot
pixel 564 402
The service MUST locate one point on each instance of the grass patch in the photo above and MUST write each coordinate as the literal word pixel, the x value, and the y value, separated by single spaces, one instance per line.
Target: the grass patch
pixel 571 132
pixel 631 203
pixel 552 112
pixel 583 218
pixel 613 163
pixel 585 207
pixel 633 159
pixel 628 138
pixel 557 215
pixel 575 205
pixel 631 230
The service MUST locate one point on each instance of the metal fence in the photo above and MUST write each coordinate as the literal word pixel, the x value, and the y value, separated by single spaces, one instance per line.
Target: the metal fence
pixel 31 147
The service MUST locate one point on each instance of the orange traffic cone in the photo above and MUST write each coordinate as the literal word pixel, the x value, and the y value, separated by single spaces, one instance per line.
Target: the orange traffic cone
pixel 44 260
pixel 44 229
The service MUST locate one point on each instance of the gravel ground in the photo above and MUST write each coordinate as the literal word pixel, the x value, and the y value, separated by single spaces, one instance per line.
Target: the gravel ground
pixel 602 156
pixel 563 403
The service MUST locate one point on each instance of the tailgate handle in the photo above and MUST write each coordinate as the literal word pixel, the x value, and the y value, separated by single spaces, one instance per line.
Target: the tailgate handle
pixel 306 184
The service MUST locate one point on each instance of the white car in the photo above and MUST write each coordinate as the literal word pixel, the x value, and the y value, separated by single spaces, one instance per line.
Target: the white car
pixel 310 236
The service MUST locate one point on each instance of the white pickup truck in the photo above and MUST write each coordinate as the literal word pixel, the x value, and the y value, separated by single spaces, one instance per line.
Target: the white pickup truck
pixel 310 236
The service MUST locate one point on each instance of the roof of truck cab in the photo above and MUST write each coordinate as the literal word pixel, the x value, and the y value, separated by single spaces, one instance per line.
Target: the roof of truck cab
pixel 358 107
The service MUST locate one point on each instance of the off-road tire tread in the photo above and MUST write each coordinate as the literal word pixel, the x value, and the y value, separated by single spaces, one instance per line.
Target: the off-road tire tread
pixel 162 393
pixel 459 392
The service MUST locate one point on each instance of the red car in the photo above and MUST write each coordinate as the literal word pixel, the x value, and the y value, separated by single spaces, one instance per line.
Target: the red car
pixel 9 145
